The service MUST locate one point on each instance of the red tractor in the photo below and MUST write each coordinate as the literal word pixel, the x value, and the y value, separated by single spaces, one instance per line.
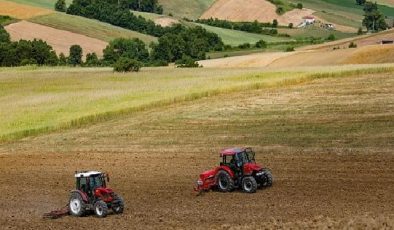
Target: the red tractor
pixel 92 194
pixel 238 169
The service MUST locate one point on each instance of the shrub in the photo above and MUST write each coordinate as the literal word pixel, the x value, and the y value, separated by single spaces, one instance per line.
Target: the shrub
pixel 291 25
pixel 92 59
pixel 290 49
pixel 261 44
pixel 300 6
pixel 275 23
pixel 360 31
pixel 352 45
pixel 331 37
pixel 125 64
pixel 61 6
pixel 187 62
pixel 244 46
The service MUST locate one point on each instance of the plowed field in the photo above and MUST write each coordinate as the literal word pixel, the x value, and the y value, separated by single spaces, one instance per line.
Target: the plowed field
pixel 329 143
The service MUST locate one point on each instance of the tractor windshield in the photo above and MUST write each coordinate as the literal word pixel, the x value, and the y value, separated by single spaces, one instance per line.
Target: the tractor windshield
pixel 246 156
pixel 97 181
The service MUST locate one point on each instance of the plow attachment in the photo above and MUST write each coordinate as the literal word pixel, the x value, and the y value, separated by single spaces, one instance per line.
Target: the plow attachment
pixel 57 213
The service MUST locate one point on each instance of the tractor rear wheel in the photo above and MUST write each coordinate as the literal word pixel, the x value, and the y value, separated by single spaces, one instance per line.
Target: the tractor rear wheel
pixel 76 205
pixel 100 209
pixel 249 184
pixel 118 205
pixel 224 181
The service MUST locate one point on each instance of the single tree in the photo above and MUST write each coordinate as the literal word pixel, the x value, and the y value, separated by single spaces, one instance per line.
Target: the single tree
pixel 60 5
pixel 75 57
pixel 62 59
pixel 373 19
pixel 92 59
pixel 124 64
pixel 360 2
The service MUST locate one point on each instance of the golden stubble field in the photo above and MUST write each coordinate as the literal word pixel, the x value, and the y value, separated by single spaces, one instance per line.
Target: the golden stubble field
pixel 328 142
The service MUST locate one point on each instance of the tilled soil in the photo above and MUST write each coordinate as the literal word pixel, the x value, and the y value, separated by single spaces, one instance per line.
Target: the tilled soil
pixel 328 143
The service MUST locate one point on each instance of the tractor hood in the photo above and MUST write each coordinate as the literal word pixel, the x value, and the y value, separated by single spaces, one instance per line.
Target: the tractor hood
pixel 103 191
pixel 249 168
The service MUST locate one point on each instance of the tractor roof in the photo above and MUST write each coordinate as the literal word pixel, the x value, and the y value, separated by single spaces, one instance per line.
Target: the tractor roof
pixel 87 173
pixel 231 151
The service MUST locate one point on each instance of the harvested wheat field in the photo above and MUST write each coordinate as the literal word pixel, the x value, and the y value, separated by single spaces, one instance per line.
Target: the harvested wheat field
pixel 250 10
pixel 60 40
pixel 20 11
pixel 252 60
pixel 327 141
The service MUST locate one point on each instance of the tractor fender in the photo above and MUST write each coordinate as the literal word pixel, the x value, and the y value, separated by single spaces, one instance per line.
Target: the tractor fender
pixel 83 195
pixel 227 169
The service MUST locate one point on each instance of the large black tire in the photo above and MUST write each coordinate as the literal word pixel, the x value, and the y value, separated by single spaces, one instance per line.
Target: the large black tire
pixel 249 184
pixel 269 180
pixel 118 204
pixel 76 205
pixel 100 209
pixel 224 181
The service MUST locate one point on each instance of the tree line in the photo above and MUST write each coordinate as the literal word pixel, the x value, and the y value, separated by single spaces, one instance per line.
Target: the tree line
pixel 251 27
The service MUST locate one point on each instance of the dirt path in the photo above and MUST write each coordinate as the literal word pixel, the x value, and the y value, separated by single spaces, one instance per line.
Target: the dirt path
pixel 60 40
pixel 328 143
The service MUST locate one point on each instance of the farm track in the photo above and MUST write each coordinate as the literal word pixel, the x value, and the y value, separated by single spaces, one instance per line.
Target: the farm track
pixel 328 142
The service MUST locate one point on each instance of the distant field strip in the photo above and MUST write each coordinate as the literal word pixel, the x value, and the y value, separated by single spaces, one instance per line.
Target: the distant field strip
pixel 43 100
pixel 20 11
pixel 89 27
pixel 49 4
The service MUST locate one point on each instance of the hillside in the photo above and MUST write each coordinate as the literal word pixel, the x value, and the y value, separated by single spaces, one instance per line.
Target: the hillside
pixel 60 40
pixel 89 27
pixel 185 9
pixel 250 10
pixel 21 11
pixel 48 4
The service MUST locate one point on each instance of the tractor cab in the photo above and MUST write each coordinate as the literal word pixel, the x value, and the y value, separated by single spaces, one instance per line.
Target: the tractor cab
pixel 89 181
pixel 238 159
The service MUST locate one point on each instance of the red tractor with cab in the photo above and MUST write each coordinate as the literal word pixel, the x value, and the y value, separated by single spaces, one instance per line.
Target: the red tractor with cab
pixel 237 169
pixel 92 194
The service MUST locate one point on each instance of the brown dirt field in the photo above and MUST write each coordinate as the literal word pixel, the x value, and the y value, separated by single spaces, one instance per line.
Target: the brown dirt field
pixel 20 11
pixel 250 10
pixel 338 173
pixel 60 40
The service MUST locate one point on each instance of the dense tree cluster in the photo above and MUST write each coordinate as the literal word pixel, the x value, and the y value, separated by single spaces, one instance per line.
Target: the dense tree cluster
pixel 114 14
pixel 60 5
pixel 251 27
pixel 25 52
pixel 139 5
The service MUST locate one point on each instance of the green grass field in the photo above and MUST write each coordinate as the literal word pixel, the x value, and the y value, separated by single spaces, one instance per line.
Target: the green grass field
pixel 314 31
pixel 49 4
pixel 89 27
pixel 186 9
pixel 235 37
pixel 37 101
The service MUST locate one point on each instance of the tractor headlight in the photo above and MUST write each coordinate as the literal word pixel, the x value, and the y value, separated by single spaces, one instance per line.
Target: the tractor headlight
pixel 259 173
pixel 199 182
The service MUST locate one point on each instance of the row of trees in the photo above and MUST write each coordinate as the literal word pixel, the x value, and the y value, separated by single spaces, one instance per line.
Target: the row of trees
pixel 252 27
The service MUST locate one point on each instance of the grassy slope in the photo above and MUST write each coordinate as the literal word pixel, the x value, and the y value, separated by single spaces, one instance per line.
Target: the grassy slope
pixel 185 9
pixel 49 4
pixel 235 37
pixel 89 27
pixel 313 31
pixel 44 101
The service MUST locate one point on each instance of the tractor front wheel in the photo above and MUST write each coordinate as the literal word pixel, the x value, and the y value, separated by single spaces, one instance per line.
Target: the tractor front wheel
pixel 118 205
pixel 100 209
pixel 76 205
pixel 224 181
pixel 249 184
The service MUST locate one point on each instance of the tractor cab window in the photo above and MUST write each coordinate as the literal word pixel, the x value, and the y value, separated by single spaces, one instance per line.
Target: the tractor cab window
pixel 82 184
pixel 245 157
pixel 96 181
